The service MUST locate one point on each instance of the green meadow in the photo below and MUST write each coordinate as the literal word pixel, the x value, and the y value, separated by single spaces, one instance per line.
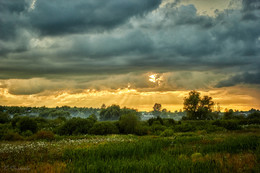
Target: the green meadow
pixel 118 141
pixel 230 151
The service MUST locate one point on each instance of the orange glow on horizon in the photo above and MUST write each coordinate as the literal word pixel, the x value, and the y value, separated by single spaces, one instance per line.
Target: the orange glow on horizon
pixel 131 98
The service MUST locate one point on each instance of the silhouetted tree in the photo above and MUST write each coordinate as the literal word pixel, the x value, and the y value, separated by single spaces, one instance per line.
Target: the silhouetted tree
pixel 157 109
pixel 198 108
pixel 103 106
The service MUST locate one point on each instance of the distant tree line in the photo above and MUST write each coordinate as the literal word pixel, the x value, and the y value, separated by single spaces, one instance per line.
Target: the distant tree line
pixel 21 125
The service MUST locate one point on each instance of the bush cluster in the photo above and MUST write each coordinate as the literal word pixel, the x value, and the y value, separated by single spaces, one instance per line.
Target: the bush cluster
pixel 104 128
pixel 228 124
pixel 76 126
pixel 45 135
pixel 25 127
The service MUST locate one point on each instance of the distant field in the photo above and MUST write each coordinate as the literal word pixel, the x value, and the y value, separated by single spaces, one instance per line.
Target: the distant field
pixel 182 152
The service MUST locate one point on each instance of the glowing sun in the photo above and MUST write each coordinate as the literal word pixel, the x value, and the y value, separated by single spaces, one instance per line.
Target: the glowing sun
pixel 152 78
pixel 155 78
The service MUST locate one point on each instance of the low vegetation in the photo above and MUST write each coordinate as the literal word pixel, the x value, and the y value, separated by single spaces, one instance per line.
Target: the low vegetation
pixel 200 142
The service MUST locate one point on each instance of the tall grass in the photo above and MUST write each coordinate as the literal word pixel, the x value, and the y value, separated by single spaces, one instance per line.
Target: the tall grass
pixel 158 155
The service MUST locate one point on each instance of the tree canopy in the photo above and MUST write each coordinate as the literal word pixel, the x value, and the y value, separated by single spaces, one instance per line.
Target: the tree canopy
pixel 197 107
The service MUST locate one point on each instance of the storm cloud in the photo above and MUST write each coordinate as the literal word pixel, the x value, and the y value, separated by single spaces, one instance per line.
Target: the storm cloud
pixel 245 78
pixel 128 40
pixel 57 17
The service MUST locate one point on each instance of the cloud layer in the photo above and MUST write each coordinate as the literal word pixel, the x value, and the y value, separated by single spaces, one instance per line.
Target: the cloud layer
pixel 95 44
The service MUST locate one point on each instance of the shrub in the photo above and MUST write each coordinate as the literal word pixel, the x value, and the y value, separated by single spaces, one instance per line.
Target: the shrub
pixel 104 128
pixel 4 117
pixel 157 128
pixel 26 123
pixel 93 117
pixel 213 128
pixel 12 136
pixel 254 121
pixel 142 130
pixel 196 157
pixel 15 121
pixel 168 122
pixel 254 115
pixel 4 128
pixel 232 125
pixel 46 135
pixel 128 123
pixel 27 133
pixel 157 120
pixel 228 124
pixel 167 133
pixel 185 127
pixel 76 126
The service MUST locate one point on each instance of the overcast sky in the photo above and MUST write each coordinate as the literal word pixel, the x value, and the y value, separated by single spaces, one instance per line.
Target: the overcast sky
pixel 81 47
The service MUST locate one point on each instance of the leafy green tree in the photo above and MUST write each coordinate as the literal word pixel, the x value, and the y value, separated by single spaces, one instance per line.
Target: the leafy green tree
pixel 76 126
pixel 45 113
pixel 2 108
pixel 26 123
pixel 198 108
pixel 15 121
pixel 103 106
pixel 254 115
pixel 128 123
pixel 158 120
pixel 229 114
pixel 157 109
pixel 93 117
pixel 4 117
pixel 111 112
pixel 125 110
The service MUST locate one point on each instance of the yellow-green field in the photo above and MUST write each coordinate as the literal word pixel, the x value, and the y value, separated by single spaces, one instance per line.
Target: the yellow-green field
pixel 182 152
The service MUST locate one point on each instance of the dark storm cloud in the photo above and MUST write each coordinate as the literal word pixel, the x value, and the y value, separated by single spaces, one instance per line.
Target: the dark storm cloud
pixel 10 17
pixel 57 17
pixel 245 78
pixel 249 5
pixel 135 42
pixel 187 15
pixel 251 9
pixel 94 37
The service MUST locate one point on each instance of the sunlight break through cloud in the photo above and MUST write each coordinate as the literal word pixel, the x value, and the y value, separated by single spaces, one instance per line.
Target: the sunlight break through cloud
pixel 32 6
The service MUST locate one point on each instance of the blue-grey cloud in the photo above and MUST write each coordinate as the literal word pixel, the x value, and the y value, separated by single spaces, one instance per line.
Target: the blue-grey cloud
pixel 93 38
pixel 251 10
pixel 58 17
pixel 245 78
pixel 10 18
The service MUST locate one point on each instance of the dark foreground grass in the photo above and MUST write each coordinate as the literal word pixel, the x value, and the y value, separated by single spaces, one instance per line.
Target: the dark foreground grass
pixel 183 154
